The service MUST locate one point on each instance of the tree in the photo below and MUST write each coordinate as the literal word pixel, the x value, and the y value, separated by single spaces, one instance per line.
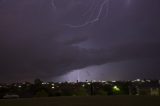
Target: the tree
pixel 81 92
pixel 37 82
pixel 41 93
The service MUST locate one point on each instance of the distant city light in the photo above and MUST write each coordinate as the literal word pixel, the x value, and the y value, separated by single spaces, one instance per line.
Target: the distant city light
pixel 43 83
pixel 138 80
pixel 148 80
pixel 142 81
pixel 89 83
pixel 52 87
pixel 103 81
pixel 113 81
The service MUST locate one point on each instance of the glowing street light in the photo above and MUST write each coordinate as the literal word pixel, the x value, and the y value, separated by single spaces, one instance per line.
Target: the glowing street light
pixel 83 85
pixel 115 88
pixel 89 83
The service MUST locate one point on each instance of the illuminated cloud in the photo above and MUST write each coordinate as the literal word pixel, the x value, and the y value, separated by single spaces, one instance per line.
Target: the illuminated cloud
pixel 36 43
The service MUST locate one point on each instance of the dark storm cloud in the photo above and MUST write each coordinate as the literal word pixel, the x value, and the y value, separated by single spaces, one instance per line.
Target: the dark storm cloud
pixel 36 43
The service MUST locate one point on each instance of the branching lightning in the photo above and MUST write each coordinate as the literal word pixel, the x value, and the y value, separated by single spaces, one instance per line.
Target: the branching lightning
pixel 53 5
pixel 104 4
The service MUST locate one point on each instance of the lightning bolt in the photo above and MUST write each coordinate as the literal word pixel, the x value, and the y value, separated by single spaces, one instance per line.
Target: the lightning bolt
pixel 53 5
pixel 78 75
pixel 88 73
pixel 97 18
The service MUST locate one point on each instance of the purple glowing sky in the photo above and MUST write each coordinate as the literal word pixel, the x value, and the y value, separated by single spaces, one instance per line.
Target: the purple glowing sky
pixel 103 39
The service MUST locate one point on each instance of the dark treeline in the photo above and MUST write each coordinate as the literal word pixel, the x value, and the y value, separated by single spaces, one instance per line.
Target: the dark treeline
pixel 49 89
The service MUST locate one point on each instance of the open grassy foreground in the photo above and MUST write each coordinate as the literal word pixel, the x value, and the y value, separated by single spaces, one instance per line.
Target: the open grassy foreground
pixel 85 101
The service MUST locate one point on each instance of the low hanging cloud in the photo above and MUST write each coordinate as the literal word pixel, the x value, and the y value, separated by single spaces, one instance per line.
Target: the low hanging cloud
pixel 35 43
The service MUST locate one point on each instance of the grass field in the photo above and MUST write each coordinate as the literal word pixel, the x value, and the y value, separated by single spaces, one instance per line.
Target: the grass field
pixel 85 101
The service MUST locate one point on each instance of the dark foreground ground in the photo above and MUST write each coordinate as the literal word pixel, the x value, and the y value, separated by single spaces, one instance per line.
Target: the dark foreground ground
pixel 85 101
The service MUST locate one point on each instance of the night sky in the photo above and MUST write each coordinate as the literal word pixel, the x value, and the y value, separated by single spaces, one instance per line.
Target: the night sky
pixel 58 40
